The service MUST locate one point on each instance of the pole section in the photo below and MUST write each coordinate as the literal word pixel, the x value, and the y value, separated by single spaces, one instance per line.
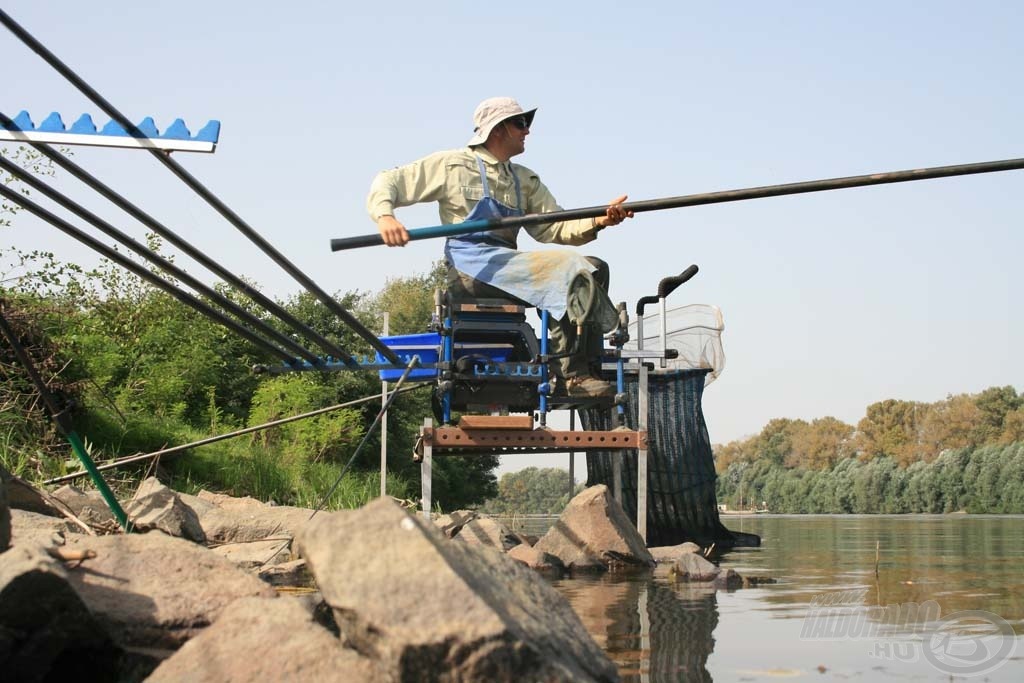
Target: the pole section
pixel 197 187
pixel 692 200
pixel 63 421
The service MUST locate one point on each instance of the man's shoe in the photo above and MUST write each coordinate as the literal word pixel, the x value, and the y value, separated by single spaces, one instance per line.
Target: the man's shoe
pixel 586 386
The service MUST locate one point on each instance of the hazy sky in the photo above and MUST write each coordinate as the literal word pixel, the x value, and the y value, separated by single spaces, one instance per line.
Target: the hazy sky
pixel 831 301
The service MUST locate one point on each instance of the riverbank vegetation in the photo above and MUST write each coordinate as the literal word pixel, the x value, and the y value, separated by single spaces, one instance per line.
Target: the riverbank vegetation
pixel 139 372
pixel 965 453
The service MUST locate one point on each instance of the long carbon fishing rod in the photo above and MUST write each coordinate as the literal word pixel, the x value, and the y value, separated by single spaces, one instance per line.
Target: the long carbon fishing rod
pixel 138 214
pixel 690 200
pixel 62 419
pixel 125 262
pixel 160 262
pixel 200 189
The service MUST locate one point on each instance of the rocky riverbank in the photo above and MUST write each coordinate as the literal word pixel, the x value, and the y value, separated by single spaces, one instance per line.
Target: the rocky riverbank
pixel 219 588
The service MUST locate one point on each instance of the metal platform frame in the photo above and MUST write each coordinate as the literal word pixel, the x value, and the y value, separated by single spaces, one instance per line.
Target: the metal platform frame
pixel 438 441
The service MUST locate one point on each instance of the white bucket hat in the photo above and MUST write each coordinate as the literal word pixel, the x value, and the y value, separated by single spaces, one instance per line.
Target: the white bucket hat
pixel 493 111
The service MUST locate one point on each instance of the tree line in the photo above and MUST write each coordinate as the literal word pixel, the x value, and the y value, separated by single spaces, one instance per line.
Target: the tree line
pixel 963 453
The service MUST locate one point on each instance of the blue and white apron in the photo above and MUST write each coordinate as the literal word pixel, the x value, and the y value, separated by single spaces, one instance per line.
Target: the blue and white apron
pixel 541 278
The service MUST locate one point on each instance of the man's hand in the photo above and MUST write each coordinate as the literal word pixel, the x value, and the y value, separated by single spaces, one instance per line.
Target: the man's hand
pixel 393 232
pixel 615 214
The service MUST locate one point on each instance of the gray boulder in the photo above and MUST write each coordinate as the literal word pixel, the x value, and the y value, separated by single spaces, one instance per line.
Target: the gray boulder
pixel 537 560
pixel 451 524
pixel 294 573
pixel 488 532
pixel 46 631
pixel 430 609
pixel 88 506
pixel 669 553
pixel 32 527
pixel 594 533
pixel 691 567
pixel 233 520
pixel 155 506
pixel 266 640
pixel 255 554
pixel 156 591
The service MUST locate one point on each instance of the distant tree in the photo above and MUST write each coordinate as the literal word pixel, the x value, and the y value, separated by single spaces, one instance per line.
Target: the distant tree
pixel 532 491
pixel 820 444
pixel 995 404
pixel 890 428
pixel 1013 427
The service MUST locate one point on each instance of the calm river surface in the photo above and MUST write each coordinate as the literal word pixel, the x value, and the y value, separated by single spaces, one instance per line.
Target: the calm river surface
pixel 824 619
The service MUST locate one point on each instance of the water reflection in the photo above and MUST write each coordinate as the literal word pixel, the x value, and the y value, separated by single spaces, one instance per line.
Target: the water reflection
pixel 657 630
pixel 652 629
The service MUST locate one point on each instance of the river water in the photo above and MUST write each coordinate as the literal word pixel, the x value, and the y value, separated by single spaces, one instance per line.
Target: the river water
pixel 947 604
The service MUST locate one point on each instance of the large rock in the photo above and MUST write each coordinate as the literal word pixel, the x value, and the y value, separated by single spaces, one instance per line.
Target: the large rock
pixel 435 610
pixel 266 640
pixel 155 506
pixel 451 524
pixel 670 553
pixel 46 631
pixel 232 520
pixel 488 532
pixel 32 527
pixel 594 533
pixel 255 554
pixel 154 590
pixel 88 506
pixel 537 560
pixel 693 567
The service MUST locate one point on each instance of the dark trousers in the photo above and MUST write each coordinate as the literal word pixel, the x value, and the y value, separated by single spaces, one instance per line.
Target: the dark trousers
pixel 561 333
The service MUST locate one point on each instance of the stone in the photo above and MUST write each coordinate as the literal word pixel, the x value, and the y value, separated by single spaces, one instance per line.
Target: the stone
pixel 87 506
pixel 266 640
pixel 594 533
pixel 155 506
pixel 156 591
pixel 232 520
pixel 537 560
pixel 692 567
pixel 32 527
pixel 293 573
pixel 430 609
pixel 488 532
pixel 451 524
pixel 46 631
pixel 669 553
pixel 729 580
pixel 255 554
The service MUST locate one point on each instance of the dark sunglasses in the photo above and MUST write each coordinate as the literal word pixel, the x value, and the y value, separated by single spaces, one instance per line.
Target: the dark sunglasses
pixel 519 122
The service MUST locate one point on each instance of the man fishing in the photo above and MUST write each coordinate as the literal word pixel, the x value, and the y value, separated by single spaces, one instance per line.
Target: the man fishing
pixel 479 182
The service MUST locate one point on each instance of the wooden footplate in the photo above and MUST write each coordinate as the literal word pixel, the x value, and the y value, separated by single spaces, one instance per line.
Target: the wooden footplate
pixel 448 439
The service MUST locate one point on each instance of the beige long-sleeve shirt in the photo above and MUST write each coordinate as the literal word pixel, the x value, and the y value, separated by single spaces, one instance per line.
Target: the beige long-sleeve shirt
pixel 452 179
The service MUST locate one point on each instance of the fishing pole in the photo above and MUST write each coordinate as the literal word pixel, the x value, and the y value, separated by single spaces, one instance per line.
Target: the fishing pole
pixel 689 200
pixel 189 250
pixel 62 420
pixel 125 262
pixel 327 300
pixel 157 260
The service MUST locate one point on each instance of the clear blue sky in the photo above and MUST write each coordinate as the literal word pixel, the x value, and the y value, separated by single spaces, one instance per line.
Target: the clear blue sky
pixel 831 301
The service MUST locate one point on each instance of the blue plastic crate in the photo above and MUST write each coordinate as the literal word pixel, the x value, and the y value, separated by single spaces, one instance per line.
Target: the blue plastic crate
pixel 426 346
